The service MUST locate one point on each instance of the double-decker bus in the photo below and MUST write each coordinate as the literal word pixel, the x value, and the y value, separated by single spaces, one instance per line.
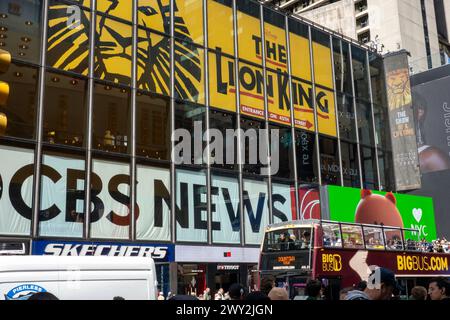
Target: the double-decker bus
pixel 343 254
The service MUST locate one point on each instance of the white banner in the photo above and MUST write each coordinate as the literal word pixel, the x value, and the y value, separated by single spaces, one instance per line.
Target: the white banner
pixel 114 218
pixel 256 210
pixel 226 223
pixel 283 200
pixel 16 190
pixel 191 199
pixel 62 197
pixel 153 222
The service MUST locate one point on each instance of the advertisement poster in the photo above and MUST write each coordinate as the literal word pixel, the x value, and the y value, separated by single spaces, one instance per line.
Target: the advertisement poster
pixel 256 211
pixel 283 199
pixel 389 209
pixel 401 120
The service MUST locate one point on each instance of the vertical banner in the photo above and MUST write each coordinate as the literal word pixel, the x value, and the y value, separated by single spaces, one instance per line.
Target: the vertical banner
pixel 283 202
pixel 226 217
pixel 401 120
pixel 153 198
pixel 256 211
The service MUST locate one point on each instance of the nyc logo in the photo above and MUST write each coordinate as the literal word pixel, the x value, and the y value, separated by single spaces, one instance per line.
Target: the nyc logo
pixel 418 214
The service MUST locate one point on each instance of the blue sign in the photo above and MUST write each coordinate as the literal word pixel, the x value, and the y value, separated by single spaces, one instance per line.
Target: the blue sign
pixel 23 292
pixel 159 252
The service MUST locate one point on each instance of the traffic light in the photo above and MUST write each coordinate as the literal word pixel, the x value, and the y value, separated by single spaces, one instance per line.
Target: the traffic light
pixel 5 61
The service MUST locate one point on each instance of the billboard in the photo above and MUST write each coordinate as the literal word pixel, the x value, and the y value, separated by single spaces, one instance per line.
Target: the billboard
pixel 389 209
pixel 401 121
pixel 431 101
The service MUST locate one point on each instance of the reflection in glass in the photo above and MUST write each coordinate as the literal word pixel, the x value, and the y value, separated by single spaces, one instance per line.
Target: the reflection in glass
pixel 350 166
pixel 385 162
pixel 382 130
pixel 360 76
pixel 20 29
pixel 227 157
pixel 65 110
pixel 20 108
pixel 220 25
pixel 307 168
pixel 153 126
pixel 252 144
pixel 329 161
pixel 377 79
pixel 285 153
pixel 111 119
pixel 365 124
pixel 346 114
pixel 368 168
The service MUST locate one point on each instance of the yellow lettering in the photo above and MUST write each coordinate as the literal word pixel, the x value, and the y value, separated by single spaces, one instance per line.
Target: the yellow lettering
pixel 400 263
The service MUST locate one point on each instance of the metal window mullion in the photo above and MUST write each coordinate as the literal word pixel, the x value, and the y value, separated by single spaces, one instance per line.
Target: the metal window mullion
pixel 240 157
pixel 173 205
pixel 206 88
pixel 266 113
pixel 316 122
pixel 336 111
pixel 291 103
pixel 133 182
pixel 374 131
pixel 356 116
pixel 90 109
pixel 39 125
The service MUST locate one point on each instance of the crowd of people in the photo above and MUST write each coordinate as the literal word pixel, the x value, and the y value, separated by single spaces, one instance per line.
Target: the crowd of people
pixel 437 246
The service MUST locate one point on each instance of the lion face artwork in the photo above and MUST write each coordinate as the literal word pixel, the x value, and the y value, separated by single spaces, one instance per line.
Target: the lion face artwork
pixel 68 45
pixel 399 90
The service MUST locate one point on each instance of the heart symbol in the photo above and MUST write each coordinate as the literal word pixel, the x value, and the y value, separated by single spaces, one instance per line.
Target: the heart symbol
pixel 417 213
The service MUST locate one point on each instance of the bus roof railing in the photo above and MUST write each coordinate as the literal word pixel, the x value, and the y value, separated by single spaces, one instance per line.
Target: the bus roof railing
pixel 369 225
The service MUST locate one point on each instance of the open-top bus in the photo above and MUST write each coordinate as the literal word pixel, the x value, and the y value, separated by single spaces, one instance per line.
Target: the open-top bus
pixel 343 254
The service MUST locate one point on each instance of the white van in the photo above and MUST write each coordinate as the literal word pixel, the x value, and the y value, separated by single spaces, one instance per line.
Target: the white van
pixel 78 278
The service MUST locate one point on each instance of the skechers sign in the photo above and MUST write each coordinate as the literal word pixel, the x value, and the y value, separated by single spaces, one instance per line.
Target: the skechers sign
pixel 159 252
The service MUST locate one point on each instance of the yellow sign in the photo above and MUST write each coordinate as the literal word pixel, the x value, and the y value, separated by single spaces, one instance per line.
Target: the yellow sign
pixel 278 93
pixel 300 56
pixel 192 13
pixel 222 82
pixel 331 262
pixel 323 70
pixel 220 27
pixel 286 260
pixel 303 100
pixel 276 51
pixel 249 38
pixel 422 263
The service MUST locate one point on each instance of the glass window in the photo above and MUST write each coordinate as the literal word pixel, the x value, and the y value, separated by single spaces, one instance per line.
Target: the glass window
pixel 111 119
pixel 110 215
pixel 323 72
pixel 191 118
pixel 360 75
pixel 352 236
pixel 382 130
pixel 350 166
pixel 189 72
pixel 119 8
pixel 256 210
pixel 279 103
pixel 153 62
pixel 300 49
pixel 282 152
pixel 222 82
pixel 329 161
pixel 20 109
pixel 307 168
pixel 365 124
pixel 331 235
pixel 377 79
pixel 369 168
pixel 192 202
pixel 189 21
pixel 385 161
pixel 275 37
pixel 342 74
pixel 20 29
pixel 113 50
pixel 249 31
pixel 346 114
pixel 253 140
pixel 65 110
pixel 154 15
pixel 394 240
pixel 62 195
pixel 221 26
pixel 374 238
pixel 288 239
pixel 225 157
pixel 283 202
pixel 68 38
pixel 226 221
pixel 251 79
pixel 153 126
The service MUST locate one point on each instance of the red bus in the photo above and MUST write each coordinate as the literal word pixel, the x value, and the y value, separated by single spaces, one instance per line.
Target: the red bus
pixel 343 254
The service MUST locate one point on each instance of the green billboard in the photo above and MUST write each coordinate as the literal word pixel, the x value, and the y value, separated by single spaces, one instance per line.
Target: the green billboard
pixel 389 209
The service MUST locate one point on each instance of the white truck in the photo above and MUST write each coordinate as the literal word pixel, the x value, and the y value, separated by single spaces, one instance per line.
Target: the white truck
pixel 78 278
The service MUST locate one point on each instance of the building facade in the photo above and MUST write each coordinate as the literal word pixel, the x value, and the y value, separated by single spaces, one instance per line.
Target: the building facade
pixel 419 26
pixel 97 89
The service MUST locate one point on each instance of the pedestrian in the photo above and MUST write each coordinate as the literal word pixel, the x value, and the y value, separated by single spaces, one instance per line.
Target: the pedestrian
pixel 257 296
pixel 439 289
pixel 377 291
pixel 313 290
pixel 278 294
pixel 207 294
pixel 267 283
pixel 236 292
pixel 418 293
pixel 161 296
pixel 343 293
pixel 219 295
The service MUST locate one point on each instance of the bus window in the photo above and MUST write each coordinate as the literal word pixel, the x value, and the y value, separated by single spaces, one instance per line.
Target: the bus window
pixel 393 239
pixel 331 235
pixel 287 239
pixel 352 236
pixel 374 238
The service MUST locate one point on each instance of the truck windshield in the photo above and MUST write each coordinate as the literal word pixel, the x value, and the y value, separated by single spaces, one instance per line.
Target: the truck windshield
pixel 287 239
